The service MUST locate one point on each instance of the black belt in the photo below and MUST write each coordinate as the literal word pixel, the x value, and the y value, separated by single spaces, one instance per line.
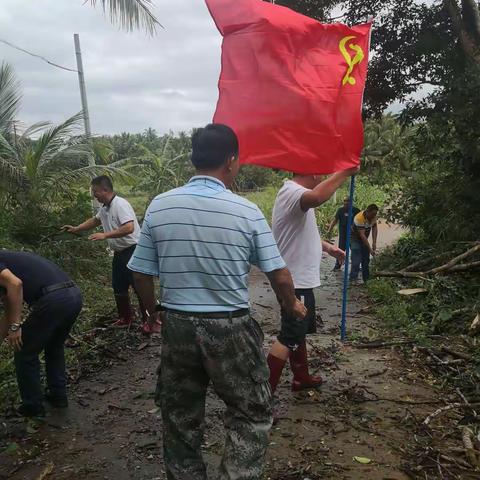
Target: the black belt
pixel 218 315
pixel 55 287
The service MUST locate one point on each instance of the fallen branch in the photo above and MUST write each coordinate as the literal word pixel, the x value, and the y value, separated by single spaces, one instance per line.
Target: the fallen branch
pixel 449 267
pixel 456 354
pixel 454 261
pixel 425 261
pixel 446 408
pixel 382 344
pixel 401 274
pixel 46 471
pixel 467 443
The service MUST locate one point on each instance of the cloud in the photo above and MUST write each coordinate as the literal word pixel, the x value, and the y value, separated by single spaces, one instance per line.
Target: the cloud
pixel 168 82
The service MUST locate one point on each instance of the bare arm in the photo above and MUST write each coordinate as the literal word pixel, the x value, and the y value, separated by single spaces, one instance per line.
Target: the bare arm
pixel 333 251
pixel 324 190
pixel 364 239
pixel 282 284
pixel 122 231
pixel 145 289
pixel 89 224
pixel 332 224
pixel 13 300
pixel 374 237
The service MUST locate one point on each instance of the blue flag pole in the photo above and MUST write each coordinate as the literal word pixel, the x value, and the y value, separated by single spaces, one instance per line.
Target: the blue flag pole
pixel 343 326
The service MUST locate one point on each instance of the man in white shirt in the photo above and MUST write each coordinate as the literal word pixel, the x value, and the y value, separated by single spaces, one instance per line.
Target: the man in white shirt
pixel 122 232
pixel 295 229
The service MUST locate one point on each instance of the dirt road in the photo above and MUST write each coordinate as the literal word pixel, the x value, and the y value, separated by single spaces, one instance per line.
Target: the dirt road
pixel 112 429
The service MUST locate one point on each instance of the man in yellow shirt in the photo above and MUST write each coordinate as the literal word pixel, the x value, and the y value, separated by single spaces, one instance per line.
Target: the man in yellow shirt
pixel 363 223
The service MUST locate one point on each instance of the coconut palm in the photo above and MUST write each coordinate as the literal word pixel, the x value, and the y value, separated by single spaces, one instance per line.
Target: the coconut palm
pixel 388 146
pixel 159 171
pixel 49 167
pixel 130 14
pixel 10 97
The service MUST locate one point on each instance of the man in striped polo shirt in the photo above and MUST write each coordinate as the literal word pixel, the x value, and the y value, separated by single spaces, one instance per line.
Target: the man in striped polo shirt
pixel 200 240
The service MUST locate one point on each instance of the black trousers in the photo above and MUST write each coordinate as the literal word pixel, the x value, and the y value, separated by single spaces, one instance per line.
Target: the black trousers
pixel 46 329
pixel 293 331
pixel 122 277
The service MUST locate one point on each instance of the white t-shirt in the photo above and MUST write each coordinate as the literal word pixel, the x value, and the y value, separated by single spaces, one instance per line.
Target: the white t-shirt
pixel 297 235
pixel 114 216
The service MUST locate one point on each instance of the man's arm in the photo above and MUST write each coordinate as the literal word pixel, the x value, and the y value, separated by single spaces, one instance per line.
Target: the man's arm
pixel 89 224
pixel 374 237
pixel 122 231
pixel 324 190
pixel 364 240
pixel 282 284
pixel 13 300
pixel 333 251
pixel 145 290
pixel 332 224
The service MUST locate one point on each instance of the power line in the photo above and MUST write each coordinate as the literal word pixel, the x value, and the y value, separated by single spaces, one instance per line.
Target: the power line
pixel 37 56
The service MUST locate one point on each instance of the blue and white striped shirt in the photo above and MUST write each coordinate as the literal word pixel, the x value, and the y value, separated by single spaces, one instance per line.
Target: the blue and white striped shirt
pixel 200 240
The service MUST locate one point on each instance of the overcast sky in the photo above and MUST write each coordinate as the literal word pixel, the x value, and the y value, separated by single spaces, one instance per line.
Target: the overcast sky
pixel 168 82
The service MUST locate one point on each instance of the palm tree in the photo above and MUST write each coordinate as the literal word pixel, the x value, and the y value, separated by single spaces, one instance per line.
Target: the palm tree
pixel 48 167
pixel 159 171
pixel 388 146
pixel 130 14
pixel 10 97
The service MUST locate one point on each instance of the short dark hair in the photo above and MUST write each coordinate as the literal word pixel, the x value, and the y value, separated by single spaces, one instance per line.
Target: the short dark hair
pixel 213 145
pixel 372 208
pixel 104 182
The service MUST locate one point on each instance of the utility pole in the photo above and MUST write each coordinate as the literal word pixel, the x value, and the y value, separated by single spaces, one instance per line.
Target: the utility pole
pixel 81 81
pixel 86 116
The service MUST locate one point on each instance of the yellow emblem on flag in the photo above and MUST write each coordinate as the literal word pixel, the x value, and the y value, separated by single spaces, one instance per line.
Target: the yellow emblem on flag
pixel 351 61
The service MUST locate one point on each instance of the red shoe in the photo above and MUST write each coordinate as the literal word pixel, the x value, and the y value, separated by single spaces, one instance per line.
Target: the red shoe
pixel 149 329
pixel 122 322
pixel 302 380
pixel 125 314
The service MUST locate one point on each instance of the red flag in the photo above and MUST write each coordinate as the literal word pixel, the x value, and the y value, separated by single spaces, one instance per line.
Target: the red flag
pixel 291 87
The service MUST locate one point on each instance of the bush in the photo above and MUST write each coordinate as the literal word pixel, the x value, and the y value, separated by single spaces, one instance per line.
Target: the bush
pixel 86 262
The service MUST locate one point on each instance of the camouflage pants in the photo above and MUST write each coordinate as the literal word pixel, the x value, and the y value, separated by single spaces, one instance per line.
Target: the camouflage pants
pixel 228 353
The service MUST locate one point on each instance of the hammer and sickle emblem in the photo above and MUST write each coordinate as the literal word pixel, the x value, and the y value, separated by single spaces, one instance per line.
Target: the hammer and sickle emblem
pixel 351 62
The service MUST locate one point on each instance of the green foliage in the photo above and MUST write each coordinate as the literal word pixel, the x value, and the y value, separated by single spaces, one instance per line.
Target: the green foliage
pixel 252 177
pixel 10 98
pixel 447 306
pixel 86 262
pixel 440 197
pixel 388 152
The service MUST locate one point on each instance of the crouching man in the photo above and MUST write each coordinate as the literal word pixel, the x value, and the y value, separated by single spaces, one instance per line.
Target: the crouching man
pixel 54 302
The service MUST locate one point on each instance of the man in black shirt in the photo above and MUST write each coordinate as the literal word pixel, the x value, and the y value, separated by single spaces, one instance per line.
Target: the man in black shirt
pixel 341 217
pixel 55 302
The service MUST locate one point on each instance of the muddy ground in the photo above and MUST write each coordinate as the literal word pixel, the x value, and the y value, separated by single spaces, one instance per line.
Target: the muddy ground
pixel 369 408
